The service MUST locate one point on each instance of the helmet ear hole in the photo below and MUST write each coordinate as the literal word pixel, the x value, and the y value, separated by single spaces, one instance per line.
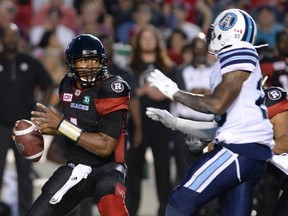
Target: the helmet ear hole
pixel 219 37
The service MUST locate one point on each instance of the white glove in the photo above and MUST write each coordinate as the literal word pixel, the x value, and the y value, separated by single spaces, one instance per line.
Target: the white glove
pixel 162 115
pixel 163 83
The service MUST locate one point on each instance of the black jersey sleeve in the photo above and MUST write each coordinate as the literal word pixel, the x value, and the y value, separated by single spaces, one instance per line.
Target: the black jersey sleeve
pixel 111 124
pixel 275 100
pixel 114 95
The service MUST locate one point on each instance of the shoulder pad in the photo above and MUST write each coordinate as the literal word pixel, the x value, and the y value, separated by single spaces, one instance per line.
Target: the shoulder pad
pixel 114 86
pixel 274 95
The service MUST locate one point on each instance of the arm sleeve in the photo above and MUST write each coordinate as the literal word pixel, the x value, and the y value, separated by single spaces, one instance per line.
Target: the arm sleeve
pixel 202 130
pixel 112 97
pixel 111 124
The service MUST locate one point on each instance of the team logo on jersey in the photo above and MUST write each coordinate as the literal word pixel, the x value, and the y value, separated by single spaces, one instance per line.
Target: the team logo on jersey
pixel 86 100
pixel 228 21
pixel 67 97
pixel 77 92
pixel 117 86
pixel 274 94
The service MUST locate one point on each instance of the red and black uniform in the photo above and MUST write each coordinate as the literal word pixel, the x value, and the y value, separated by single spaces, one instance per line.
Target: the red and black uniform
pixel 277 102
pixel 97 109
pixel 274 180
pixel 100 108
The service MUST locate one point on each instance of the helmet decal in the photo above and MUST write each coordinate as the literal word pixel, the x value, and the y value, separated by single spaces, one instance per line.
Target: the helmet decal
pixel 228 21
pixel 89 52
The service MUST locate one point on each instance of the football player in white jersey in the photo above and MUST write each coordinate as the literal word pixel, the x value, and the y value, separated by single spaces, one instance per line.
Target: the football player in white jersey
pixel 244 136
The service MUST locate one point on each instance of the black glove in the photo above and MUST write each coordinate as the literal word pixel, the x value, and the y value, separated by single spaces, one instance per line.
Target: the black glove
pixel 195 145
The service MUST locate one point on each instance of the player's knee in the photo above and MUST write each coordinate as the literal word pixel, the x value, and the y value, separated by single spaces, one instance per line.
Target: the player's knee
pixel 112 205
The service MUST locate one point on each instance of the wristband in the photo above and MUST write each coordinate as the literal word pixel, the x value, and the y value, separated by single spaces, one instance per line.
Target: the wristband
pixel 70 130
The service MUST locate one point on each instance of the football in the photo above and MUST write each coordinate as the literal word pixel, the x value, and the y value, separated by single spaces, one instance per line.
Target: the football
pixel 29 141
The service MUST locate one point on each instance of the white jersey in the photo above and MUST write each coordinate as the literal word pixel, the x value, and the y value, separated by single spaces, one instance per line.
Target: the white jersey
pixel 245 121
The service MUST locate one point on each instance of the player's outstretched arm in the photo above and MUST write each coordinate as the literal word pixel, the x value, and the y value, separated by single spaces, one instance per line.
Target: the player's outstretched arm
pixel 224 94
pixel 203 130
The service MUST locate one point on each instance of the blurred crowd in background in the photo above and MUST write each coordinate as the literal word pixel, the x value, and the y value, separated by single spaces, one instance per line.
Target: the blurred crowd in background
pixel 147 34
pixel 47 26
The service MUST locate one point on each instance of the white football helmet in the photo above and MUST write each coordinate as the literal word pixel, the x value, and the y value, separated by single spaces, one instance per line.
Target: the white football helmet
pixel 230 27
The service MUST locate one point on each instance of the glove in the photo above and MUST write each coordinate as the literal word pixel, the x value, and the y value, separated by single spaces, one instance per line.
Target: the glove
pixel 162 115
pixel 195 145
pixel 163 83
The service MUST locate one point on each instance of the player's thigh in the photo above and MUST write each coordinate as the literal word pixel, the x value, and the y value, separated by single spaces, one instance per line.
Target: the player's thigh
pixel 110 179
pixel 212 175
pixel 239 200
pixel 42 206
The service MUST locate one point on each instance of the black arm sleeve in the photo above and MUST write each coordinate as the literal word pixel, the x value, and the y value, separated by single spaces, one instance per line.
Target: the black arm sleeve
pixel 111 124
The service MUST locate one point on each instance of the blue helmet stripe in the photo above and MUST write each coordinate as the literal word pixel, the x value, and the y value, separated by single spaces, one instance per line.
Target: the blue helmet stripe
pixel 249 30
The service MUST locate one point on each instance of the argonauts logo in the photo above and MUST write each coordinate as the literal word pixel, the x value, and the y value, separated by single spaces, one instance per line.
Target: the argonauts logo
pixel 228 21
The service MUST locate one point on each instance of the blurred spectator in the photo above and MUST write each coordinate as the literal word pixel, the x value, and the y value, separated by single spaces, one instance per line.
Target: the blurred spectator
pixel 134 121
pixel 123 18
pixel 279 7
pixel 186 54
pixel 267 26
pixel 20 75
pixel 148 53
pixel 93 18
pixel 196 12
pixel 180 14
pixel 175 43
pixel 52 22
pixel 8 11
pixel 142 16
pixel 275 67
pixel 8 14
pixel 50 52
pixel 24 15
pixel 194 78
pixel 69 15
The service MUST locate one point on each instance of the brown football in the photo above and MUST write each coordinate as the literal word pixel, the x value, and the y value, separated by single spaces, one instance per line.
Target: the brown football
pixel 29 140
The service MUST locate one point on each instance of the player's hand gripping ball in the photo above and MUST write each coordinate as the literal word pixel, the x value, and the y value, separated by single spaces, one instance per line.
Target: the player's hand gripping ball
pixel 29 141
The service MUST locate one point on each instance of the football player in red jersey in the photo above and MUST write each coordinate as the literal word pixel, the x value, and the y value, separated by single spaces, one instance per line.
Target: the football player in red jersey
pixel 277 104
pixel 94 106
